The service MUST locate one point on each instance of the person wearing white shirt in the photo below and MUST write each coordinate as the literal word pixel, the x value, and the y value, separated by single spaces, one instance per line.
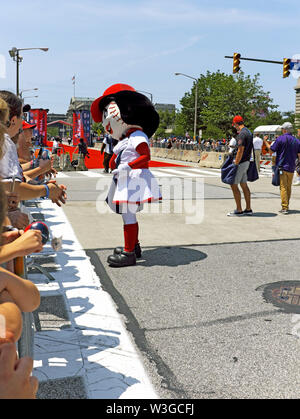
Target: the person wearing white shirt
pixel 107 148
pixel 297 173
pixel 257 145
pixel 55 146
pixel 232 145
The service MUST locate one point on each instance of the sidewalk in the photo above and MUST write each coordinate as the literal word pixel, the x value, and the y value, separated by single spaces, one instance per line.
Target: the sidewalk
pixel 82 348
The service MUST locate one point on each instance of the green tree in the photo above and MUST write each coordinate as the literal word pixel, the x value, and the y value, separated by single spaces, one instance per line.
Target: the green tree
pixel 53 131
pixel 98 128
pixel 166 122
pixel 220 97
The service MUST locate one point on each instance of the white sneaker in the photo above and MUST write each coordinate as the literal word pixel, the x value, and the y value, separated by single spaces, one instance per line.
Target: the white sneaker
pixel 235 213
pixel 297 183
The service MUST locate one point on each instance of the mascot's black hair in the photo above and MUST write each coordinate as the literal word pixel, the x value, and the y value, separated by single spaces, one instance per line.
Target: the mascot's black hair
pixel 135 108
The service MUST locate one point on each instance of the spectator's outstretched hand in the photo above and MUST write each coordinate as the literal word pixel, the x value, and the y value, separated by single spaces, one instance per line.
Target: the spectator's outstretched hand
pixel 57 193
pixel 45 165
pixel 15 375
pixel 10 236
pixel 29 242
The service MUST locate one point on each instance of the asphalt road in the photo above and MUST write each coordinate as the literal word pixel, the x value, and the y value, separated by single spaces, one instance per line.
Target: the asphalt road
pixel 198 303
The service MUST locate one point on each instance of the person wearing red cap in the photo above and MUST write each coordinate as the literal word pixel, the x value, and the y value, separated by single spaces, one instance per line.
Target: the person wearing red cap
pixel 241 156
pixel 25 142
pixel 33 173
pixel 131 119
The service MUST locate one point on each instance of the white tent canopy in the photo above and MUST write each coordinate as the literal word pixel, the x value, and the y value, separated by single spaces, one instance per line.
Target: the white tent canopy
pixel 268 129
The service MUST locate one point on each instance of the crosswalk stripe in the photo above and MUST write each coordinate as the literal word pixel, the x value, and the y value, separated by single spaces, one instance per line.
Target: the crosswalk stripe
pixel 61 175
pixel 188 173
pixel 206 172
pixel 161 173
pixel 91 174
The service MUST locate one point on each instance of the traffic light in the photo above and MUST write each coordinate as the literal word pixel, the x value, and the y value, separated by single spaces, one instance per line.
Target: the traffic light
pixel 286 67
pixel 236 62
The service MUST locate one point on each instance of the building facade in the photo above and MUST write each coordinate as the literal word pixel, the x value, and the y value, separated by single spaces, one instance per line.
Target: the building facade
pixel 297 106
pixel 79 104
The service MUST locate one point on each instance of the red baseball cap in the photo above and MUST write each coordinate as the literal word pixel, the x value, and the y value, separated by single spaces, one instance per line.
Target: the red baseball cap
pixel 237 119
pixel 115 88
pixel 25 125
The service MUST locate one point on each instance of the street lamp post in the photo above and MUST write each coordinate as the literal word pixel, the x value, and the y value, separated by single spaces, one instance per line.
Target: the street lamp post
pixel 196 99
pixel 29 97
pixel 27 90
pixel 15 54
pixel 142 91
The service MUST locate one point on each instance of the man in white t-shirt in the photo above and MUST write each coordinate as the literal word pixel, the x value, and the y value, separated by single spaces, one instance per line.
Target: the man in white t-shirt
pixel 257 145
pixel 55 146
pixel 107 148
pixel 232 145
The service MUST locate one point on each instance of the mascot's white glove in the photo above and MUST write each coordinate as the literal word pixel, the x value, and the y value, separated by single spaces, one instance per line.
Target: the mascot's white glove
pixel 122 170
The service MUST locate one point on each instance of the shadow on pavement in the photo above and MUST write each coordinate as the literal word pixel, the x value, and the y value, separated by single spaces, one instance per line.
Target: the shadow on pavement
pixel 264 214
pixel 170 256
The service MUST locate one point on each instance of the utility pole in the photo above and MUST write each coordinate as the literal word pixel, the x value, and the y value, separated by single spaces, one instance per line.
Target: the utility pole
pixel 196 99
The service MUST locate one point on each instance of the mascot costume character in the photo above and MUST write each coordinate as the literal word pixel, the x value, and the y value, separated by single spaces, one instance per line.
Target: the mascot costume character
pixel 131 119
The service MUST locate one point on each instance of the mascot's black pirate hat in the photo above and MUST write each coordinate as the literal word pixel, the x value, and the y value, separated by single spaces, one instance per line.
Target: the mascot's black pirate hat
pixel 135 108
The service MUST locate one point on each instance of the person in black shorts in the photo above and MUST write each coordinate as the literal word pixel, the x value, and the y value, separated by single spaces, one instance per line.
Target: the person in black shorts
pixel 82 149
pixel 242 155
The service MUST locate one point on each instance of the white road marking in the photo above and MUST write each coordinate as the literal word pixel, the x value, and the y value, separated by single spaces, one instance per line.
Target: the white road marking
pixel 91 174
pixel 160 173
pixel 206 172
pixel 61 175
pixel 188 174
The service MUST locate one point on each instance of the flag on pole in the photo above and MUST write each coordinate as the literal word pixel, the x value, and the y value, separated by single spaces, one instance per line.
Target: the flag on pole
pixel 74 84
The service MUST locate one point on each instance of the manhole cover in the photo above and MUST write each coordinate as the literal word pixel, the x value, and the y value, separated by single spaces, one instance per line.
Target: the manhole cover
pixel 285 294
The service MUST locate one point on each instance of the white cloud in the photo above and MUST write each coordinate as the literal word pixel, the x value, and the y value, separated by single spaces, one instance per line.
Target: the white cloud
pixel 169 12
pixel 162 53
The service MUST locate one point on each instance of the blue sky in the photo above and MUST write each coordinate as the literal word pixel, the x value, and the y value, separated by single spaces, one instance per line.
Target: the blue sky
pixel 143 43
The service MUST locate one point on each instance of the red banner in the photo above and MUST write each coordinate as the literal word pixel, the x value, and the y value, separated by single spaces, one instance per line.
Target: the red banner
pixel 38 117
pixel 78 131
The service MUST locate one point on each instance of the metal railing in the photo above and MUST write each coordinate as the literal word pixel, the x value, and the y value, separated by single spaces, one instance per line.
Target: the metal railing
pixel 187 146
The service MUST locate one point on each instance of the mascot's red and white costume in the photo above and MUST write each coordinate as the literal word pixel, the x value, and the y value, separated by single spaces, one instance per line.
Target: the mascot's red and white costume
pixel 131 119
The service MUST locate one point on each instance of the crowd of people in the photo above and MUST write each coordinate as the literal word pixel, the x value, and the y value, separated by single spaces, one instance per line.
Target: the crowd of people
pixel 23 177
pixel 190 143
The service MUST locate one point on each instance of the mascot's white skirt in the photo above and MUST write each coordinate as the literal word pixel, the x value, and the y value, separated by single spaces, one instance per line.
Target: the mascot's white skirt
pixel 131 190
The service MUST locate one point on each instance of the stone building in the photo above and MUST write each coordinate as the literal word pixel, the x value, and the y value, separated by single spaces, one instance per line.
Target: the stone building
pixel 79 104
pixel 297 107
